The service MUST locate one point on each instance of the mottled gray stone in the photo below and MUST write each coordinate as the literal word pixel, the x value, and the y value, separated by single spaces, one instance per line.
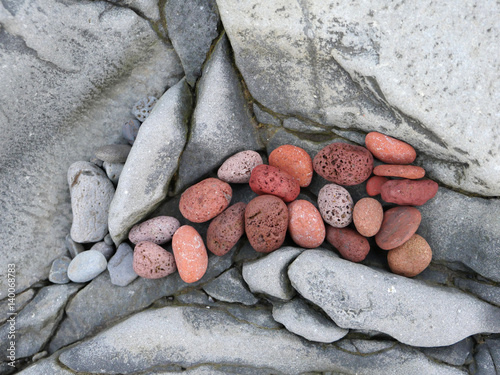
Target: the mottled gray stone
pixel 258 316
pixel 152 162
pixel 146 8
pixel 196 297
pixel 34 324
pixel 301 319
pixel 487 358
pixel 59 270
pixel 142 109
pixel 192 26
pixel 108 240
pixel 114 153
pixel 86 266
pixel 230 287
pixel 456 354
pixel 297 125
pixel 73 247
pixel 357 346
pixel 268 274
pixel 120 266
pixel 113 171
pixel 487 292
pixel 47 366
pixel 104 249
pixel 222 124
pixel 215 336
pixel 412 312
pixel 80 66
pixel 21 300
pixel 101 303
pixel 352 65
pixel 264 117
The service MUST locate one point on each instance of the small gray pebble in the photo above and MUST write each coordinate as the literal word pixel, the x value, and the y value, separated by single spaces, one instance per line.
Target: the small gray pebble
pixel 104 249
pixel 113 170
pixel 143 107
pixel 113 153
pixel 97 162
pixel 73 247
pixel 86 266
pixel 120 267
pixel 108 239
pixel 130 130
pixel 59 270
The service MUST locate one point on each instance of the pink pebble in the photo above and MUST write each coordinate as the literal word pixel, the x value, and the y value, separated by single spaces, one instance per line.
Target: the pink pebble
pixel 152 261
pixel 158 230
pixel 305 224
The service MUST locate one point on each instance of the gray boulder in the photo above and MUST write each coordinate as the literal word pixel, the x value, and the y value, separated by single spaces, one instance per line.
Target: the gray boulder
pixel 340 64
pixel 487 292
pixel 22 300
pixel 356 296
pixel 230 287
pixel 213 336
pixel 487 358
pixel 86 266
pixel 457 354
pixel 152 162
pixel 46 366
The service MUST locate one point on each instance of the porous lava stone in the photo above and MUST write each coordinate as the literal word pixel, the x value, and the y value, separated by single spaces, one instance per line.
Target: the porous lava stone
pixel 226 229
pixel 409 192
pixel 266 179
pixel 152 261
pixel 350 244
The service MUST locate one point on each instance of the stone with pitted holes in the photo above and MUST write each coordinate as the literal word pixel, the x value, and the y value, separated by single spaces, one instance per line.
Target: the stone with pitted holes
pixel 158 230
pixel 237 168
pixel 226 229
pixel 335 204
pixel 152 261
pixel 266 179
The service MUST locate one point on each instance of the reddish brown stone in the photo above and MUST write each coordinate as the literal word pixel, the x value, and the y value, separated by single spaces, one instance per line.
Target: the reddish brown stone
pixel 295 161
pixel 389 150
pixel 400 223
pixel 404 171
pixel 266 179
pixel 411 258
pixel 409 192
pixel 226 229
pixel 350 244
pixel 266 221
pixel 374 185
pixel 152 261
pixel 367 216
pixel 190 254
pixel 344 164
pixel 305 224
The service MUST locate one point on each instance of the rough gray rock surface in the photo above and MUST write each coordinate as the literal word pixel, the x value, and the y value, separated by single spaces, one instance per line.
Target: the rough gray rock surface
pixel 59 270
pixel 80 66
pixel 354 65
pixel 104 249
pixel 152 162
pixel 301 319
pixel 487 292
pixel 113 171
pixel 214 336
pixel 192 26
pixel 22 300
pixel 487 358
pixel 410 311
pixel 86 266
pixel 457 354
pixel 230 287
pixel 222 124
pixel 120 266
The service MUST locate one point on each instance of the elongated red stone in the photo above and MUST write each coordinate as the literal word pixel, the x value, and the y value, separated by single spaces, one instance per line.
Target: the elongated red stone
pixel 405 171
pixel 409 192
pixel 389 150
pixel 400 223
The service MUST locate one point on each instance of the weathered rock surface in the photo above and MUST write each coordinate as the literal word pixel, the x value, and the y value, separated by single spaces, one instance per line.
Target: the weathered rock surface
pixel 410 311
pixel 352 65
pixel 487 358
pixel 222 124
pixel 457 354
pixel 230 287
pixel 152 162
pixel 22 300
pixel 487 292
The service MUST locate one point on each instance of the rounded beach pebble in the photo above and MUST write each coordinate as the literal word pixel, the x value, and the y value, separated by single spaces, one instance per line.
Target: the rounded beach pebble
pixel 226 229
pixel 343 164
pixel 113 153
pixel 158 230
pixel 295 161
pixel 237 168
pixel 130 130
pixel 86 266
pixel 305 224
pixel 411 258
pixel 374 185
pixel 399 224
pixel 266 222
pixel 367 216
pixel 389 150
pixel 190 254
pixel 335 205
pixel 409 192
pixel 404 171
pixel 266 179
pixel 205 200
pixel 350 244
pixel 152 261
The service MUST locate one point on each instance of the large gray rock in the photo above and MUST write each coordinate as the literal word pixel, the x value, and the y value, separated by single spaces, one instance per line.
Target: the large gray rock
pixel 487 358
pixel 80 66
pixel 222 124
pixel 356 296
pixel 152 161
pixel 457 354
pixel 487 292
pixel 47 366
pixel 341 63
pixel 22 300
pixel 191 336
pixel 230 287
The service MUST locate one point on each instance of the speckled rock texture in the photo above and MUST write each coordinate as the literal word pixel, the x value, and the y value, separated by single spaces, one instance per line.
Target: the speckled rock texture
pixel 238 168
pixel 403 171
pixel 389 150
pixel 158 230
pixel 226 229
pixel 336 205
pixel 190 254
pixel 152 261
pixel 266 179
pixel 305 224
pixel 410 258
pixel 399 224
pixel 367 216
pixel 408 192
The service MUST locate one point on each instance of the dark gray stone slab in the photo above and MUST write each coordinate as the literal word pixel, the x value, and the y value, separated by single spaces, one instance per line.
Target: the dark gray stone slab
pixel 21 300
pixel 230 287
pixel 487 358
pixel 457 354
pixel 487 292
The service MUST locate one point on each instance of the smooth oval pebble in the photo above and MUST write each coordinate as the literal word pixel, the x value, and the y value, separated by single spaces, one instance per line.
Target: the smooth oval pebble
pixel 374 185
pixel 113 153
pixel 226 229
pixel 158 230
pixel 411 258
pixel 409 192
pixel 405 171
pixel 305 224
pixel 367 216
pixel 350 244
pixel 389 150
pixel 152 261
pixel 266 179
pixel 343 164
pixel 295 161
pixel 190 254
pixel 237 168
pixel 86 266
pixel 335 205
pixel 130 129
pixel 399 224
pixel 59 270
pixel 121 266
pixel 205 200
pixel 266 222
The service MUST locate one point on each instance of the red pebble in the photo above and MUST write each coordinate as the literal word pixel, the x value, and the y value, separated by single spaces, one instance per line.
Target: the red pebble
pixel 295 161
pixel 266 179
pixel 400 223
pixel 190 254
pixel 350 244
pixel 305 224
pixel 389 150
pixel 374 185
pixel 405 171
pixel 226 229
pixel 367 216
pixel 409 192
